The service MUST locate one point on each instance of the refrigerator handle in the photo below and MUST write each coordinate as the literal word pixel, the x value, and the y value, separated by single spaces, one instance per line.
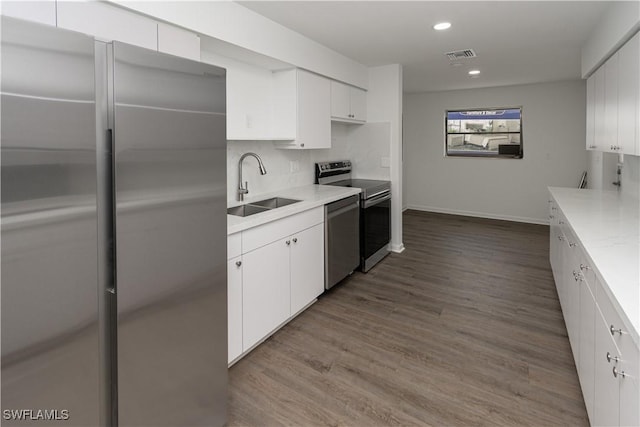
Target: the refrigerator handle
pixel 111 213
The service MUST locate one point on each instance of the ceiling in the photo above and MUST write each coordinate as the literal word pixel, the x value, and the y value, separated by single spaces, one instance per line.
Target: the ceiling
pixel 516 42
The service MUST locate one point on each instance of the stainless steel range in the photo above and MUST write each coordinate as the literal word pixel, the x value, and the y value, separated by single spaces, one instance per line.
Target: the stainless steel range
pixel 375 209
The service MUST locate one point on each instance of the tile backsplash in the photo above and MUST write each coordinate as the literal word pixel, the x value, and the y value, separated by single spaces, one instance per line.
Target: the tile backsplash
pixel 367 146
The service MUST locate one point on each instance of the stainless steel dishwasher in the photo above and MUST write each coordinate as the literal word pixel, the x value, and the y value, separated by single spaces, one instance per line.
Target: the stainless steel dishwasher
pixel 342 239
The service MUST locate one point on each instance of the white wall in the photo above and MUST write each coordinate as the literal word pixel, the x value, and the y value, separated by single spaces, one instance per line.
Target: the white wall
pixel 384 104
pixel 233 23
pixel 553 127
pixel 620 22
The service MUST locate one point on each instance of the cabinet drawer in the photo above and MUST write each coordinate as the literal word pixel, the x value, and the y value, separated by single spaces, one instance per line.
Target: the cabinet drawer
pixel 264 234
pixel 234 245
pixel 611 317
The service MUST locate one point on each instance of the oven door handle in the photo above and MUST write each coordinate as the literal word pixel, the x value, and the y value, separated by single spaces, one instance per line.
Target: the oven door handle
pixel 375 200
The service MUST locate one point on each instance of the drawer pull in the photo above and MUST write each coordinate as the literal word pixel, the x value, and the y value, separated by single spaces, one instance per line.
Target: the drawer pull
pixel 572 245
pixel 561 222
pixel 614 330
pixel 238 263
pixel 560 238
pixel 295 240
pixel 584 267
pixel 616 359
pixel 288 242
pixel 616 373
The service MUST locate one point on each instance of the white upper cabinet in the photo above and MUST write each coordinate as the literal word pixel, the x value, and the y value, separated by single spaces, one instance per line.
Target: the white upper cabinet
pixel 591 88
pixel 108 23
pixel 43 12
pixel 179 42
pixel 629 96
pixel 613 102
pixel 303 105
pixel 348 103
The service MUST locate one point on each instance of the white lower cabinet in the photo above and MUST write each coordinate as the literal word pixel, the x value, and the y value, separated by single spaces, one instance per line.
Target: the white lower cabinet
pixel 274 271
pixel 607 389
pixel 234 307
pixel 607 359
pixel 586 365
pixel 266 299
pixel 307 272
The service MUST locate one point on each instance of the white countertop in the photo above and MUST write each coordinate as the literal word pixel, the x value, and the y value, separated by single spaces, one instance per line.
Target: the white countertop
pixel 608 227
pixel 311 196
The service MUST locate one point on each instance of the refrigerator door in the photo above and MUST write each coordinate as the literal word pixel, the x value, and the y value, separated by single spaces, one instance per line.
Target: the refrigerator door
pixel 50 353
pixel 170 201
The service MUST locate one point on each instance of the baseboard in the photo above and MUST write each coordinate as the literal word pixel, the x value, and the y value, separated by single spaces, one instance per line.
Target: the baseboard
pixel 479 214
pixel 397 248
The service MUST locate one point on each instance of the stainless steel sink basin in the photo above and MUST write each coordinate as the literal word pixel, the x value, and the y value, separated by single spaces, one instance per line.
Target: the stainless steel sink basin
pixel 260 206
pixel 246 210
pixel 275 202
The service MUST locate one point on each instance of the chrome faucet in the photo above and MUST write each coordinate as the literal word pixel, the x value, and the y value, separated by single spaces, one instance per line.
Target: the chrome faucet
pixel 244 190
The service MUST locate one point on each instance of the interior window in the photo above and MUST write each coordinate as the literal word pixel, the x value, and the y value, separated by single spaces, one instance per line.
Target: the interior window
pixel 489 132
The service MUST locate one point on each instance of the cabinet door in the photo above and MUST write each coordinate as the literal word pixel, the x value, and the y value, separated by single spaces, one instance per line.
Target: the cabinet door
pixel 611 104
pixel 629 96
pixel 591 87
pixel 314 111
pixel 598 109
pixel 307 266
pixel 572 300
pixel 234 307
pixel 630 383
pixel 586 368
pixel 358 104
pixel 606 388
pixel 340 100
pixel 266 298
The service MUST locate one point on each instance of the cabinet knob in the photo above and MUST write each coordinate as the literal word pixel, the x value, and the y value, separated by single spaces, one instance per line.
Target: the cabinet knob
pixel 295 240
pixel 238 263
pixel 616 372
pixel 572 245
pixel 551 216
pixel 561 222
pixel 616 359
pixel 614 330
pixel 302 145
pixel 288 242
pixel 584 267
pixel 560 238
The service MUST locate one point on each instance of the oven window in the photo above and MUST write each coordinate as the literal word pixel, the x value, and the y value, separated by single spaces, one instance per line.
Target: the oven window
pixel 375 227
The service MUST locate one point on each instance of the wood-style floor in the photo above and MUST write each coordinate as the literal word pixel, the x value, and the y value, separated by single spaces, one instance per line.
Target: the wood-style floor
pixel 463 328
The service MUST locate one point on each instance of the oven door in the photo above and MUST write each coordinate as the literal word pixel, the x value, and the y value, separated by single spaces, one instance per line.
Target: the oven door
pixel 375 229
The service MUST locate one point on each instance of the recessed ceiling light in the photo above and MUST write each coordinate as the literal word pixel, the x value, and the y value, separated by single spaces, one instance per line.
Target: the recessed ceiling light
pixel 474 72
pixel 442 26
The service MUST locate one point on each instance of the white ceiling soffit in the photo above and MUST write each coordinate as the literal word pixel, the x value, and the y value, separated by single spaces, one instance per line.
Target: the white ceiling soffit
pixel 516 42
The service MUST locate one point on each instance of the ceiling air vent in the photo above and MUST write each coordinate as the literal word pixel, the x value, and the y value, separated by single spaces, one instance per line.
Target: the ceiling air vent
pixel 461 54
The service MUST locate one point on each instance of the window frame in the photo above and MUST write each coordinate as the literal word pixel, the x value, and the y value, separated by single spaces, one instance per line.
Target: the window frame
pixel 482 154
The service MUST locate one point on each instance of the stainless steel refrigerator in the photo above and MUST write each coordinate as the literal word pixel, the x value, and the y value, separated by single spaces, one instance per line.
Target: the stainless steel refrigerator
pixel 113 225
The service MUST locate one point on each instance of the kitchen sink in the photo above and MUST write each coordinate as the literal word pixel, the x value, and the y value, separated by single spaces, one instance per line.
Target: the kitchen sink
pixel 275 202
pixel 246 210
pixel 260 206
